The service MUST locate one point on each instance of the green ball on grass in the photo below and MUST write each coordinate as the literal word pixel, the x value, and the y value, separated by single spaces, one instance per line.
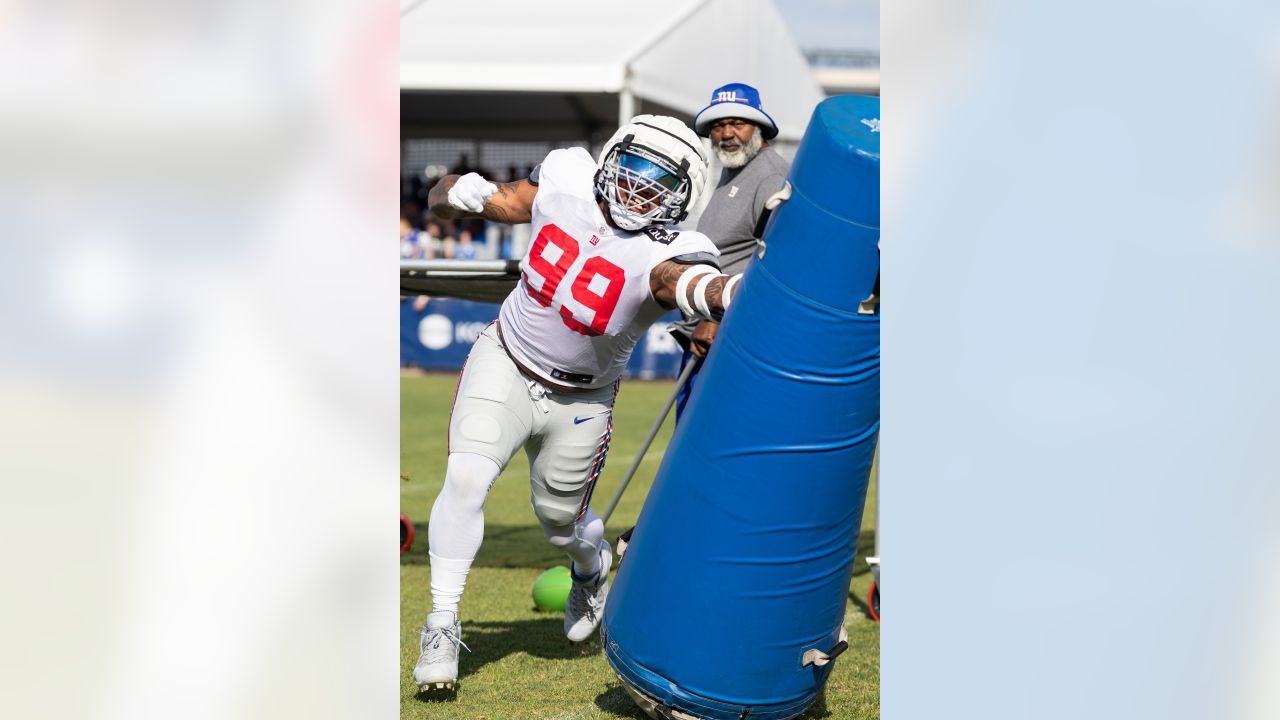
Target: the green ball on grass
pixel 551 589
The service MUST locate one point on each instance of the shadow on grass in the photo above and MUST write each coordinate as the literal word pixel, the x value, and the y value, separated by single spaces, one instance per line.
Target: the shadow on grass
pixel 861 604
pixel 491 641
pixel 618 702
pixel 436 696
pixel 525 546
pixel 505 546
pixel 818 709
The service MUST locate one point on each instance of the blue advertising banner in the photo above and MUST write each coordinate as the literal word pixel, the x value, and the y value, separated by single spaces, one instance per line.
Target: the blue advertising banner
pixel 440 335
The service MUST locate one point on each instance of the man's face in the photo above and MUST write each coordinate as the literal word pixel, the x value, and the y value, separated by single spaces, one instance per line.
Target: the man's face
pixel 732 133
pixel 736 141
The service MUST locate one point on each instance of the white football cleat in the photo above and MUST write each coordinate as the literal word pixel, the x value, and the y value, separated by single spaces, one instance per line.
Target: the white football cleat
pixel 438 664
pixel 585 607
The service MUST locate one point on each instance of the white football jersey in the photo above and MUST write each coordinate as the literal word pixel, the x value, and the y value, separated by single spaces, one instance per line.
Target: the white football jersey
pixel 583 300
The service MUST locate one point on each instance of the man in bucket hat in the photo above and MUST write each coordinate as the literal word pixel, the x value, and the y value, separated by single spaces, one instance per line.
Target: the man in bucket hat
pixel 751 172
pixel 740 131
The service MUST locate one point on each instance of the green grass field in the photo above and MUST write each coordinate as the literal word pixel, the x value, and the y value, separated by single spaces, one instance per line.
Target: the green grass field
pixel 520 666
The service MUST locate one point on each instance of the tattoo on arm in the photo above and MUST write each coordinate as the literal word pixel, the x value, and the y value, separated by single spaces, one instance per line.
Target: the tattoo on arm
pixel 715 293
pixel 665 277
pixel 715 297
pixel 511 204
pixel 438 199
pixel 506 206
pixel 662 283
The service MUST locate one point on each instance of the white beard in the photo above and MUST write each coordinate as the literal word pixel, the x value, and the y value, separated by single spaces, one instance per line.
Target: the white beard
pixel 743 154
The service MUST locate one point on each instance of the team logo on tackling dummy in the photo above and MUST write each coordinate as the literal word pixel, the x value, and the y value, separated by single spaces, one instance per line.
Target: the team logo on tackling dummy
pixel 661 234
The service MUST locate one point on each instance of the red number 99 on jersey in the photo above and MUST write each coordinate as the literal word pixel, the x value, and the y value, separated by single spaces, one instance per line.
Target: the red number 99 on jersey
pixel 608 280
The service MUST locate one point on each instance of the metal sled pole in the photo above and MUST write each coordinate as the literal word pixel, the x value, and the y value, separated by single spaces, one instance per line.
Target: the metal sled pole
pixel 653 432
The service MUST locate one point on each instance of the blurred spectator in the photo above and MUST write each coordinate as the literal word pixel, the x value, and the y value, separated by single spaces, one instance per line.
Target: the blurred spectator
pixel 410 240
pixel 447 243
pixel 466 249
pixel 434 240
pixel 475 226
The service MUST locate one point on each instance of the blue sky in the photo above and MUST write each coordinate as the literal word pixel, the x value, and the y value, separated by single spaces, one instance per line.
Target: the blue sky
pixel 833 24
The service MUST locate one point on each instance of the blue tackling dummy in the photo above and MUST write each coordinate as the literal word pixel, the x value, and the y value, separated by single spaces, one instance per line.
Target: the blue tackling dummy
pixel 731 601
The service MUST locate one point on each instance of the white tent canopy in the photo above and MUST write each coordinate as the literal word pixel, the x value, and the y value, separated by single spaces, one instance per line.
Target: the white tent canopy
pixel 517 70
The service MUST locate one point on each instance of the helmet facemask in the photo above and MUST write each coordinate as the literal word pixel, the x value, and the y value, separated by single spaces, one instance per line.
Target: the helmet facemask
pixel 642 186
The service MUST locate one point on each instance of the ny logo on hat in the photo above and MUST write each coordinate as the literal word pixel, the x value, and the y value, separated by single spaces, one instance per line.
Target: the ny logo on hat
pixel 735 100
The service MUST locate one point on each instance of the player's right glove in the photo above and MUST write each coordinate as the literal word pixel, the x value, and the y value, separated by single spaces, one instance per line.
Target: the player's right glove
pixel 471 192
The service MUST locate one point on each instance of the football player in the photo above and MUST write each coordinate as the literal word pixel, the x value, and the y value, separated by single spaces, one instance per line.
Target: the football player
pixel 605 263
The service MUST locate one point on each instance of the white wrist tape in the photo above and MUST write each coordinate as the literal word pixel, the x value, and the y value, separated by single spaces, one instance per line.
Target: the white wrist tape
pixel 682 287
pixel 700 294
pixel 728 290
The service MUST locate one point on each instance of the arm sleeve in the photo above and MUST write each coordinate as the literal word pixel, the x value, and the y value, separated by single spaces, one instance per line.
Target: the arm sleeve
pixel 686 242
pixel 697 258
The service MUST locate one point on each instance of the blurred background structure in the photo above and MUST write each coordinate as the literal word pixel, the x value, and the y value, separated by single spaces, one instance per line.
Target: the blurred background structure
pixel 495 91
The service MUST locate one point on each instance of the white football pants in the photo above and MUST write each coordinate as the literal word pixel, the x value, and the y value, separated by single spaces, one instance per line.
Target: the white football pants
pixel 497 411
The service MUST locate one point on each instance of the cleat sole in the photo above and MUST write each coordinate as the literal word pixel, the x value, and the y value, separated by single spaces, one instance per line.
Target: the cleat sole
pixel 436 686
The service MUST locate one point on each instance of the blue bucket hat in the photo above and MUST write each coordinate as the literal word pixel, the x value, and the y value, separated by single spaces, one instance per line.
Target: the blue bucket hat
pixel 735 100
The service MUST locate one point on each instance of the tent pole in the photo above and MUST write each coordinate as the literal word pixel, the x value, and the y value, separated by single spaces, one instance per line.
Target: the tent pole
pixel 626 102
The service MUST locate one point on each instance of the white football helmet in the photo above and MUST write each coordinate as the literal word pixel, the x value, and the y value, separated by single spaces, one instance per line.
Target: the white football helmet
pixel 651 171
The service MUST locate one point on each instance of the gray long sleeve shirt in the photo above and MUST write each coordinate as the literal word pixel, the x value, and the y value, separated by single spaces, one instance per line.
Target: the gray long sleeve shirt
pixel 731 214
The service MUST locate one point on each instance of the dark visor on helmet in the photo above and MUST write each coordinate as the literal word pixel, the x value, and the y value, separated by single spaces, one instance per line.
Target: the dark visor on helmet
pixel 649 170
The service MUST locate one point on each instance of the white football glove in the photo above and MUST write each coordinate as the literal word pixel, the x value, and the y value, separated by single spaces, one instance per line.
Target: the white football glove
pixel 471 192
